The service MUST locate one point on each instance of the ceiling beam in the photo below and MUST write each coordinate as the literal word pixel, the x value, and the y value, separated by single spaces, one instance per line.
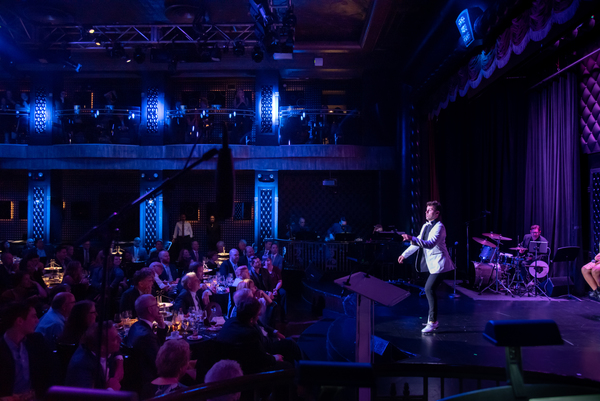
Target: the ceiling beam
pixel 379 13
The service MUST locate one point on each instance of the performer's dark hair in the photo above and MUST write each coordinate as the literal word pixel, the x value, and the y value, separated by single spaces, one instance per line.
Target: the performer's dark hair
pixel 437 206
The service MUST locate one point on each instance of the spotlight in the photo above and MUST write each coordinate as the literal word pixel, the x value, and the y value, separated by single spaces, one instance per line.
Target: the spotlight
pixel 98 43
pixel 257 54
pixel 138 55
pixel 91 30
pixel 238 49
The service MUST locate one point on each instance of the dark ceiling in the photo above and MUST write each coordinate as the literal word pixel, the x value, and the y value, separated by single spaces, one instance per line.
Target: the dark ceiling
pixel 409 36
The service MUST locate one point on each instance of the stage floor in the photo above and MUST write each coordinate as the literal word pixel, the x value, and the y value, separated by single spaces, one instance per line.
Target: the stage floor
pixel 459 338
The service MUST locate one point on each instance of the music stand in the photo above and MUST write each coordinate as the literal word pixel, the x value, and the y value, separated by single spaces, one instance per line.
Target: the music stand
pixel 567 254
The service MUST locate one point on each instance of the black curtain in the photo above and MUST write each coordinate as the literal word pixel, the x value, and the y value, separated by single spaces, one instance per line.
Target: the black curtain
pixel 479 161
pixel 552 185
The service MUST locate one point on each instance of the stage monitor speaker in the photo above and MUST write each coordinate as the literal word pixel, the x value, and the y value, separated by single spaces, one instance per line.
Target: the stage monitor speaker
pixel 556 286
pixel 385 352
pixel 313 274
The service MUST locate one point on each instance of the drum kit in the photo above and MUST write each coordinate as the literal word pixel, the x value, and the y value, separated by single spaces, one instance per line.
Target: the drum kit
pixel 503 270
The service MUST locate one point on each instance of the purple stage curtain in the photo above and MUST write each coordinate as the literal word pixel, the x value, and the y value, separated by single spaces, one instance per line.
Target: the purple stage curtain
pixel 552 178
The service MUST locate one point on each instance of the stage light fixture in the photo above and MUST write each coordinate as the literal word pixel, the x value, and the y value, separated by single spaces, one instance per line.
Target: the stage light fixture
pixel 467 22
pixel 139 55
pixel 257 54
pixel 238 49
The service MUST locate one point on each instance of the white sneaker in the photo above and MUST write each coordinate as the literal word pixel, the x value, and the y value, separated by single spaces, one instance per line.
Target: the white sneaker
pixel 431 326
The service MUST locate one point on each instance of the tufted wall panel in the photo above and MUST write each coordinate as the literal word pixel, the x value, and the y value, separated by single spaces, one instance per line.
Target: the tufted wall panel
pixel 589 90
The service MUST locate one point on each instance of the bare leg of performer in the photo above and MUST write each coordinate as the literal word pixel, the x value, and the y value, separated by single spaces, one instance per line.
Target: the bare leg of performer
pixel 591 274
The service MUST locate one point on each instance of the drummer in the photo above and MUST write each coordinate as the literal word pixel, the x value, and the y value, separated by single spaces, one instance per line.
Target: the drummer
pixel 534 235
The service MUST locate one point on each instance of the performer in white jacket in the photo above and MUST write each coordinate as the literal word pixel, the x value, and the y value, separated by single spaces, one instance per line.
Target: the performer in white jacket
pixel 434 257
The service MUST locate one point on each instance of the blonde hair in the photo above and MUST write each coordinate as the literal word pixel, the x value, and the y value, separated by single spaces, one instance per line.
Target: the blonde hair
pixel 246 283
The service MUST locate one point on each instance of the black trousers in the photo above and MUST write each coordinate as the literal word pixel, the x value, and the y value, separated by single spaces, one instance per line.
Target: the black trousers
pixel 433 281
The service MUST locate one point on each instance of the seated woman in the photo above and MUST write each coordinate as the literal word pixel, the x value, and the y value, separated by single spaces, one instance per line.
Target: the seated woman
pixel 184 260
pixel 211 262
pixel 31 264
pixel 266 309
pixel 82 317
pixel 171 364
pixel 24 289
pixel 190 296
pixel 74 278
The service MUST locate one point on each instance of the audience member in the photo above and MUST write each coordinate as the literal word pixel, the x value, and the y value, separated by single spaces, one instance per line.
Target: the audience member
pixel 24 289
pixel 60 256
pixel 243 261
pixel 190 297
pixel 138 252
pixel 266 252
pixel 256 273
pixel 26 360
pixel 249 252
pixel 184 260
pixel 221 247
pixel 142 282
pixel 230 265
pixel 70 253
pixel 240 332
pixel 115 275
pixel 82 316
pixel 276 257
pixel 31 264
pixel 145 344
pixel 211 262
pixel 85 255
pixel 195 251
pixel 29 246
pixel 169 271
pixel 52 324
pixel 96 363
pixel 273 282
pixel 159 284
pixel 6 271
pixel 74 279
pixel 171 364
pixel 45 252
pixel 158 247
pixel 224 371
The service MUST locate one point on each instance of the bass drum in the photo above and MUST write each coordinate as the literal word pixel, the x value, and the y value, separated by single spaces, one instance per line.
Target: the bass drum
pixel 484 275
pixel 540 267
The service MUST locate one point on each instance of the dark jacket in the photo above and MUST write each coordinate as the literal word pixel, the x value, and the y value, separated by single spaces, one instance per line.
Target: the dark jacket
pixel 85 370
pixel 258 278
pixel 128 300
pixel 249 345
pixel 227 268
pixel 185 301
pixel 41 365
pixel 144 346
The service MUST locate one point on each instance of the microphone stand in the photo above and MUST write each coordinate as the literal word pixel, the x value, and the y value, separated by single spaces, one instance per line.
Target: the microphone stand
pixel 467 223
pixel 454 295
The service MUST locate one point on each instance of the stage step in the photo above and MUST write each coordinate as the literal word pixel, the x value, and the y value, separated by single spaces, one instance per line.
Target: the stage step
pixel 313 340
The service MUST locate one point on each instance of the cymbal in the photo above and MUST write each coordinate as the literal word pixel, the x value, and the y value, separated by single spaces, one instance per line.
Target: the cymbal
pixel 484 242
pixel 518 248
pixel 496 236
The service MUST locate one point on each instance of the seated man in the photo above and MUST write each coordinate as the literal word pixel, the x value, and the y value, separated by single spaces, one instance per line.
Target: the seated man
pixel 195 251
pixel 273 282
pixel 159 284
pixel 256 273
pixel 52 324
pixel 243 260
pixel 230 265
pixel 193 295
pixel 142 281
pixel 26 360
pixel 169 271
pixel 60 257
pixel 155 251
pixel 138 251
pixel 144 345
pixel 276 257
pixel 240 332
pixel 591 274
pixel 273 341
pixel 85 370
pixel 338 228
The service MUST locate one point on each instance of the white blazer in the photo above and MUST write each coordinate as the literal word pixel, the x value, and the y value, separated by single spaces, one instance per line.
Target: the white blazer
pixel 435 251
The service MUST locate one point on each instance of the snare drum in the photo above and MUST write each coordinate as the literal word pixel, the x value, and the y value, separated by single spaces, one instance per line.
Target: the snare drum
pixel 487 253
pixel 484 275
